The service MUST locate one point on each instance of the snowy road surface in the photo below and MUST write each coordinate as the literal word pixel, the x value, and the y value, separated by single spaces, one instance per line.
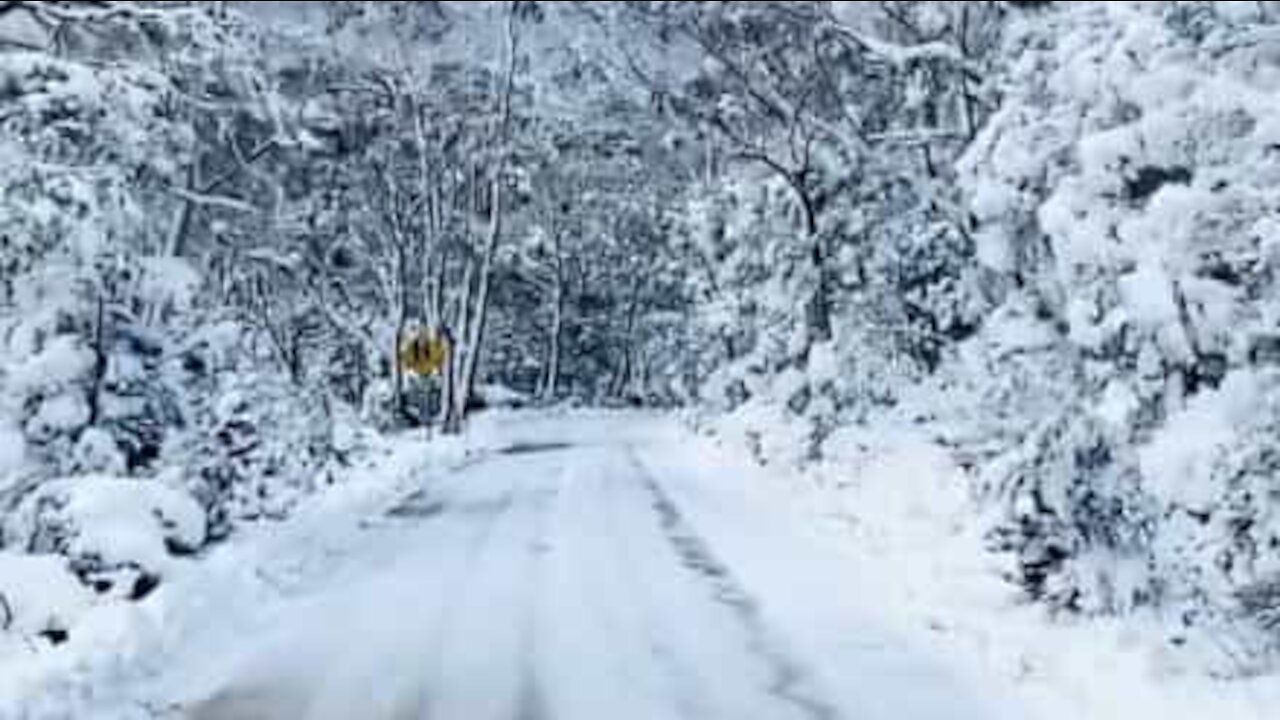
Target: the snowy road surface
pixel 580 571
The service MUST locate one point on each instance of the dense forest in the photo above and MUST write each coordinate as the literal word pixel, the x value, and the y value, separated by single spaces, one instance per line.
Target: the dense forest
pixel 1044 234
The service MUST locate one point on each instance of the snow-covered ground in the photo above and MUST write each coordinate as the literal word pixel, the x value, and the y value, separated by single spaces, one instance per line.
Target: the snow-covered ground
pixel 894 505
pixel 594 564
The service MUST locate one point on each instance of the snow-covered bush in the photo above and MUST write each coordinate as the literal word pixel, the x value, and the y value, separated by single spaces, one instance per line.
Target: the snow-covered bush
pixel 81 306
pixel 118 533
pixel 1125 194
pixel 259 446
pixel 136 421
pixel 39 597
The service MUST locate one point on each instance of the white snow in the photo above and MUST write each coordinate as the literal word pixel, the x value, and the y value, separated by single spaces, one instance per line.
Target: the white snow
pixel 1148 294
pixel 499 395
pixel 1181 457
pixel 896 509
pixel 824 363
pixel 167 279
pixel 96 451
pixel 1014 330
pixel 994 249
pixel 60 412
pixel 13 449
pixel 208 605
pixel 116 520
pixel 594 564
pixel 61 360
pixel 1118 403
pixel 557 570
pixel 37 593
pixel 1052 386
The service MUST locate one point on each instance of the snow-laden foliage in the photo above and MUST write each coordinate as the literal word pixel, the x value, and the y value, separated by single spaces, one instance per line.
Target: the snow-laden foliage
pixel 1080 306
pixel 829 264
pixel 122 441
pixel 118 533
pixel 74 231
pixel 41 597
pixel 1123 198
pixel 258 447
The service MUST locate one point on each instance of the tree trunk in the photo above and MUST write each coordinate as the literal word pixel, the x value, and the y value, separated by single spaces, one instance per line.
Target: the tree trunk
pixel 628 342
pixel 550 384
pixel 476 309
pixel 397 373
pixel 100 359
pixel 818 305
pixel 174 245
pixel 362 374
pixel 480 306
pixel 450 418
pixel 402 321
pixel 453 410
pixel 444 414
pixel 818 313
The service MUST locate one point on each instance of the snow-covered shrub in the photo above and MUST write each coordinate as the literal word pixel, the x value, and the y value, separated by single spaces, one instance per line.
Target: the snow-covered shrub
pixel 1214 465
pixel 49 390
pixel 378 408
pixel 1077 518
pixel 39 596
pixel 1125 192
pixel 84 305
pixel 97 452
pixel 13 452
pixel 140 396
pixel 258 447
pixel 118 533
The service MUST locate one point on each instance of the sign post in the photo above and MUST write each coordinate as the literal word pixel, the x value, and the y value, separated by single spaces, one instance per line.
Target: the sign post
pixel 424 353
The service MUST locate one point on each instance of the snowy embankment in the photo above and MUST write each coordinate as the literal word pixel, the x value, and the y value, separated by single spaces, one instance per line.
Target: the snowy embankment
pixel 227 592
pixel 898 507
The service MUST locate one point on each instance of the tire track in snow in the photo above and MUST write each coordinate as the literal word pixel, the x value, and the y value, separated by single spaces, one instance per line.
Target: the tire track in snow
pixel 475 525
pixel 447 612
pixel 686 700
pixel 531 704
pixel 513 520
pixel 787 675
pixel 592 658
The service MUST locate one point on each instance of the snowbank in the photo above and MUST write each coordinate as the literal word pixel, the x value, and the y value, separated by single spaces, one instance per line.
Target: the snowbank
pixel 105 522
pixel 39 595
pixel 914 536
pixel 109 664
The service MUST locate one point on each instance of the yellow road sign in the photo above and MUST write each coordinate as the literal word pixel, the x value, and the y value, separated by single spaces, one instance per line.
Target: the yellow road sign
pixel 423 353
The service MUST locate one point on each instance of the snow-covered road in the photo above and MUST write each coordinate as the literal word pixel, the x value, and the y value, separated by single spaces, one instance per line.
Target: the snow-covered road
pixel 576 571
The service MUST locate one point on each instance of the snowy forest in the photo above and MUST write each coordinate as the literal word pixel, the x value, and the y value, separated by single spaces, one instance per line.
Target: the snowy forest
pixel 1042 239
